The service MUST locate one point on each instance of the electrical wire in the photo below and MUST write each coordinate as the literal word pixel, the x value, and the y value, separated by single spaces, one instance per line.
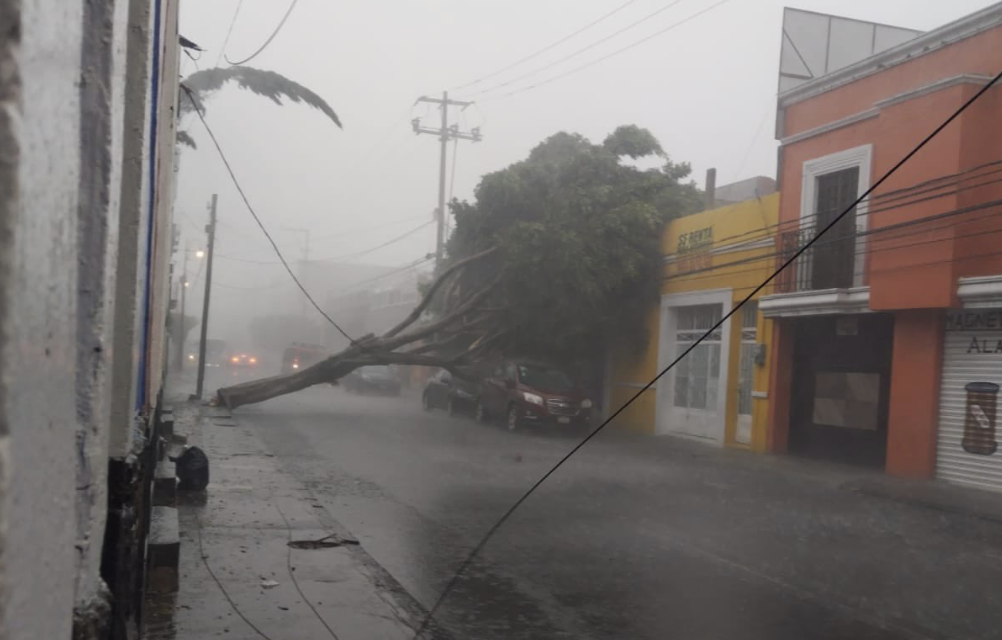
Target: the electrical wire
pixel 563 75
pixel 546 48
pixel 267 235
pixel 338 258
pixel 222 589
pixel 903 193
pixel 295 582
pixel 385 244
pixel 264 46
pixel 693 275
pixel 725 317
pixel 229 31
pixel 404 268
pixel 579 51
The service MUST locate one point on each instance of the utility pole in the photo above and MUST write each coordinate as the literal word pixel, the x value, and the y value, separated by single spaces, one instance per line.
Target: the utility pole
pixel 210 229
pixel 179 355
pixel 444 133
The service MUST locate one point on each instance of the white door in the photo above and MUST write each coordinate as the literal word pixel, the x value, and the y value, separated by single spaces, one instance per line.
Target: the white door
pixel 968 438
pixel 692 397
pixel 746 371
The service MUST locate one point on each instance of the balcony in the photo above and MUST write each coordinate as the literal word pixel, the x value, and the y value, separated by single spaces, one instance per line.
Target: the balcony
pixel 827 278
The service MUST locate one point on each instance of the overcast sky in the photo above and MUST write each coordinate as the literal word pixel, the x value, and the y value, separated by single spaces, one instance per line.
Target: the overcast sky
pixel 706 89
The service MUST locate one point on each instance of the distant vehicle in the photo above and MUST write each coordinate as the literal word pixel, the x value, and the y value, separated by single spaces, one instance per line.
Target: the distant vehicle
pixel 528 393
pixel 374 379
pixel 242 360
pixel 300 355
pixel 445 391
pixel 215 353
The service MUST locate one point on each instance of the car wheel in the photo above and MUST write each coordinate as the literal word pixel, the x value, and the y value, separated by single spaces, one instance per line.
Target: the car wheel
pixel 481 413
pixel 425 402
pixel 512 418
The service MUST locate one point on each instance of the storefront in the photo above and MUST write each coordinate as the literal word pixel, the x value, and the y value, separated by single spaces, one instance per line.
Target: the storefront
pixel 967 443
pixel 718 392
pixel 840 387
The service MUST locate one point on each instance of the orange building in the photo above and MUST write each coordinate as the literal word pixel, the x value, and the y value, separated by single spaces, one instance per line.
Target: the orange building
pixel 887 333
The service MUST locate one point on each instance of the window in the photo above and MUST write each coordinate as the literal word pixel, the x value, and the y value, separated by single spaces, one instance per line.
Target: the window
pixel 835 255
pixel 509 372
pixel 697 376
pixel 746 366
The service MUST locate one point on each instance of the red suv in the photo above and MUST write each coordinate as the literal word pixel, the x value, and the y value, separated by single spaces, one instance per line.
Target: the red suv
pixel 527 393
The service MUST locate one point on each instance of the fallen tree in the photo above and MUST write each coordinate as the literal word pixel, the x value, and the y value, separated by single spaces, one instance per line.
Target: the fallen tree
pixel 558 257
pixel 464 332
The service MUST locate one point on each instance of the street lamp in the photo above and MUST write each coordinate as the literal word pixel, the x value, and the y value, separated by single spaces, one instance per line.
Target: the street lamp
pixel 186 284
pixel 200 253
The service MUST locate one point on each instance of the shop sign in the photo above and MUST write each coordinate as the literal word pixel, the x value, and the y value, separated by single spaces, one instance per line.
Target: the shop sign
pixel 694 250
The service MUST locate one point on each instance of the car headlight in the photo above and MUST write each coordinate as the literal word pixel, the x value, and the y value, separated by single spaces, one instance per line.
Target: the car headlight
pixel 586 404
pixel 253 360
pixel 532 398
pixel 295 365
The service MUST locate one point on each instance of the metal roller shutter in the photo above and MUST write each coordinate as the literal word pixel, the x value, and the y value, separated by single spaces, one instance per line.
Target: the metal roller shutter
pixel 967 447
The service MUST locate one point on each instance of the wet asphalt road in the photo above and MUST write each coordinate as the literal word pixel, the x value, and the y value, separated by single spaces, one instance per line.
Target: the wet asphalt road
pixel 635 537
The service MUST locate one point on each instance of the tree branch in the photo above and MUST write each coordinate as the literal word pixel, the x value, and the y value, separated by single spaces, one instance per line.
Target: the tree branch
pixel 439 325
pixel 435 286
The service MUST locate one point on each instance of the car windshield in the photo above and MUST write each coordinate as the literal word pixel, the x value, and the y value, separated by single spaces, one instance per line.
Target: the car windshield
pixel 544 378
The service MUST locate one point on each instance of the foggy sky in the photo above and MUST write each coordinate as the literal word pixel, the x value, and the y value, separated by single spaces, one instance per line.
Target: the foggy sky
pixel 706 89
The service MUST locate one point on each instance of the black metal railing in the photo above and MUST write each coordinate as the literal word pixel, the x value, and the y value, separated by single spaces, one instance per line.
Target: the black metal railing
pixel 829 263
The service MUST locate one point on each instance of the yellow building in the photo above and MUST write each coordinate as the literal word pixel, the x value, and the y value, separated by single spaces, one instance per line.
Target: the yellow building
pixel 718 393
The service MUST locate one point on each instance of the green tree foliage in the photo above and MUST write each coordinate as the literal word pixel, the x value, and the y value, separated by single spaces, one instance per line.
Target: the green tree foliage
pixel 579 229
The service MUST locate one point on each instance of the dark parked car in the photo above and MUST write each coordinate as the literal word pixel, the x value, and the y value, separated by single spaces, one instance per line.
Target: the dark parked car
pixel 445 391
pixel 527 393
pixel 375 379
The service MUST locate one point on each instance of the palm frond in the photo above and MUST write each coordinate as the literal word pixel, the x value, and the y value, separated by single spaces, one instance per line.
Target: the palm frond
pixel 269 84
pixel 183 137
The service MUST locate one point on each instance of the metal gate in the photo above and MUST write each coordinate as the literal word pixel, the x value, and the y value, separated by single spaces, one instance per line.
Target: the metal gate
pixel 967 446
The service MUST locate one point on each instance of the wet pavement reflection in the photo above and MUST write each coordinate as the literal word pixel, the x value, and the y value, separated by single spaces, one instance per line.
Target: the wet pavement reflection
pixel 634 538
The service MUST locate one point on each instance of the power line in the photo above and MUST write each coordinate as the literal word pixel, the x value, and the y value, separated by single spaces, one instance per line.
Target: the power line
pixel 693 275
pixel 229 31
pixel 350 232
pixel 507 514
pixel 233 605
pixel 546 48
pixel 250 208
pixel 904 193
pixel 407 267
pixel 339 258
pixel 295 582
pixel 579 51
pixel 607 56
pixel 385 244
pixel 268 41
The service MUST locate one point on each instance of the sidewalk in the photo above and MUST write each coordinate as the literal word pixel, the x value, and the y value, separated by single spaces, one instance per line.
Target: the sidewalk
pixel 239 575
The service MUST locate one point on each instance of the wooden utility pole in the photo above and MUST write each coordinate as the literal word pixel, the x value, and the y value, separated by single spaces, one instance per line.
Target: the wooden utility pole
pixel 444 133
pixel 179 354
pixel 210 229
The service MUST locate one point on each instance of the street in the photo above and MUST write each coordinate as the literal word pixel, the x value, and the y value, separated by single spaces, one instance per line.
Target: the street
pixel 635 537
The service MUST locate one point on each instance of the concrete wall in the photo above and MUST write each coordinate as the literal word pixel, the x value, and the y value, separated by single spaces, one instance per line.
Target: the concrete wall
pixel 132 230
pixel 101 93
pixel 75 208
pixel 40 130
